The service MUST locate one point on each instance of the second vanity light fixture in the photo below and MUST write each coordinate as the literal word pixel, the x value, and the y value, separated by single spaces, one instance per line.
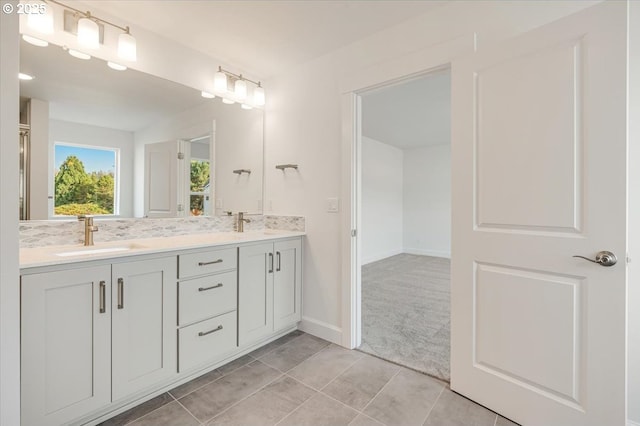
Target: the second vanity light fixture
pixel 88 31
pixel 233 88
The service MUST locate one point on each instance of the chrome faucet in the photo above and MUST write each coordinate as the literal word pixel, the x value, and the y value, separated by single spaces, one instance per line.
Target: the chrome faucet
pixel 241 221
pixel 89 229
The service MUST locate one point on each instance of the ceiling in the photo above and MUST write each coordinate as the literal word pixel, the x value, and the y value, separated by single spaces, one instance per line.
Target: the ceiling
pixel 411 114
pixel 89 92
pixel 264 37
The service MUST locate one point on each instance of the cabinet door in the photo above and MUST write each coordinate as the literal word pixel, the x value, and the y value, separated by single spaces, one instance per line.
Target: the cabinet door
pixel 287 283
pixel 65 344
pixel 144 324
pixel 255 292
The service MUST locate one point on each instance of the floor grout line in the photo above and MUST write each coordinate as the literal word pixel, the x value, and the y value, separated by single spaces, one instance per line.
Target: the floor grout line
pixel 381 389
pixel 279 346
pixel 495 422
pixel 342 372
pixel 245 398
pixel 434 404
pixel 156 409
pixel 190 413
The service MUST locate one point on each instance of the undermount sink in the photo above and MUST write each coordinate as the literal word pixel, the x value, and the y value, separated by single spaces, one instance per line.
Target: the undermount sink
pixel 99 250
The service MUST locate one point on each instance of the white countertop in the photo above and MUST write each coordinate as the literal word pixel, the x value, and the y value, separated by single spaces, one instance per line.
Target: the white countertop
pixel 57 255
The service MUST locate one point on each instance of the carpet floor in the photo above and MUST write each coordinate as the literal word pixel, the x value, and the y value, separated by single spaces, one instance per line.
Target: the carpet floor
pixel 406 312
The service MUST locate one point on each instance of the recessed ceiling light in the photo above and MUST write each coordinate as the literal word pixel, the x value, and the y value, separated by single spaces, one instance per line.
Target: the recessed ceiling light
pixel 207 95
pixel 35 41
pixel 115 66
pixel 23 76
pixel 78 54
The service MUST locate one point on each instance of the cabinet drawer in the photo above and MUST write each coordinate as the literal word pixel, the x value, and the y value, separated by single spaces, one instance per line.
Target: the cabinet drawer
pixel 206 341
pixel 206 262
pixel 205 297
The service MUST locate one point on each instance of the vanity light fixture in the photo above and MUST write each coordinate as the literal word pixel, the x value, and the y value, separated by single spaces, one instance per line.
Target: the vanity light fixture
pixel 116 66
pixel 87 27
pixel 223 79
pixel 25 77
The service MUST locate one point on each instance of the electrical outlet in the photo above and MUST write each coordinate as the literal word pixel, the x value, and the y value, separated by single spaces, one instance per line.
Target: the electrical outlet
pixel 333 205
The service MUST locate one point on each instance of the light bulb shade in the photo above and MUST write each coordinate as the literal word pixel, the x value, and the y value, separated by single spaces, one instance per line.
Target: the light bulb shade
pixel 88 33
pixel 207 95
pixel 35 41
pixel 220 82
pixel 228 101
pixel 127 47
pixel 258 96
pixel 41 22
pixel 245 106
pixel 240 90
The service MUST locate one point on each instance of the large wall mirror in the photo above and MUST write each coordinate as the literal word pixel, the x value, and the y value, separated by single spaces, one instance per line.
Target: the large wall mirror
pixel 95 140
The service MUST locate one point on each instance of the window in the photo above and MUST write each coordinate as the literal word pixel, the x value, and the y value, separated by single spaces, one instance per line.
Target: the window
pixel 199 196
pixel 85 180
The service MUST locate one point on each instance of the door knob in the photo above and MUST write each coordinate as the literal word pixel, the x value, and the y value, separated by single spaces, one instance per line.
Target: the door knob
pixel 603 258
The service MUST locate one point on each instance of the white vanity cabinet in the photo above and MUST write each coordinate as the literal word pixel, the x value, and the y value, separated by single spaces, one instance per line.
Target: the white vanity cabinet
pixel 66 344
pixel 270 286
pixel 144 342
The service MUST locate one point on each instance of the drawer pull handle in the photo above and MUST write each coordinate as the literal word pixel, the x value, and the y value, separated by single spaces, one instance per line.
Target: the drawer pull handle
pixel 204 333
pixel 120 293
pixel 209 263
pixel 210 288
pixel 270 263
pixel 103 290
pixel 278 255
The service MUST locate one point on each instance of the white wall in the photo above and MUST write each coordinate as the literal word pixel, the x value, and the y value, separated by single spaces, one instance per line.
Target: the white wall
pixel 382 200
pixel 304 126
pixel 9 171
pixel 40 154
pixel 84 134
pixel 427 201
pixel 239 145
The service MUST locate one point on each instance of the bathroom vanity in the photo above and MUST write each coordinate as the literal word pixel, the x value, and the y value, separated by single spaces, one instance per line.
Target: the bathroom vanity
pixel 106 327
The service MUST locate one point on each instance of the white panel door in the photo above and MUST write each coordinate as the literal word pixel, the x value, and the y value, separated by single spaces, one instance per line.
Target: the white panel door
pixel 539 175
pixel 161 179
pixel 65 345
pixel 255 292
pixel 287 283
pixel 144 315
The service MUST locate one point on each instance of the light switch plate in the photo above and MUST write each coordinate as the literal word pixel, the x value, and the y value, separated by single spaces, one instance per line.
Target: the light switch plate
pixel 333 205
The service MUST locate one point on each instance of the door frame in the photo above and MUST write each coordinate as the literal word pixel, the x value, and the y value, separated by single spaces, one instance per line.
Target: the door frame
pixel 388 73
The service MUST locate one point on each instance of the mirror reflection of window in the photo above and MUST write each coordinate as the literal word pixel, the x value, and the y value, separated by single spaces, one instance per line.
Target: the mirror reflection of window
pixel 200 187
pixel 85 180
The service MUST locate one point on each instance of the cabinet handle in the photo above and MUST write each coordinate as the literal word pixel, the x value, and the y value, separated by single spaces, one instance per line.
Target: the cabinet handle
pixel 271 263
pixel 120 293
pixel 204 333
pixel 278 268
pixel 210 288
pixel 209 263
pixel 103 289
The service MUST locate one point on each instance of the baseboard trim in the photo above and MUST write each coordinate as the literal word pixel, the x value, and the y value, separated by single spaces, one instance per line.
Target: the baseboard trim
pixel 321 329
pixel 433 253
pixel 632 423
pixel 377 257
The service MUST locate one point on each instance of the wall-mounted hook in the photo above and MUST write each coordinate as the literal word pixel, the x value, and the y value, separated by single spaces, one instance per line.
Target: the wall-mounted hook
pixel 287 166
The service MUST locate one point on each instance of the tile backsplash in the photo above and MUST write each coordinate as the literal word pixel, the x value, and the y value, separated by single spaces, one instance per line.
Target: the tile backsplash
pixel 49 233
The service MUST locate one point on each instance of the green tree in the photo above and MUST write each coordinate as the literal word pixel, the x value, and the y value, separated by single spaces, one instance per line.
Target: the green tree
pixel 199 175
pixel 72 184
pixel 103 191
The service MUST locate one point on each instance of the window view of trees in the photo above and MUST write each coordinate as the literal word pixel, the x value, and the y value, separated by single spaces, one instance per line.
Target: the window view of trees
pixel 199 186
pixel 80 192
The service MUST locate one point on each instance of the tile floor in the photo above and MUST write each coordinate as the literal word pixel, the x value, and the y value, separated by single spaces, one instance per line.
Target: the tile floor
pixel 302 380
